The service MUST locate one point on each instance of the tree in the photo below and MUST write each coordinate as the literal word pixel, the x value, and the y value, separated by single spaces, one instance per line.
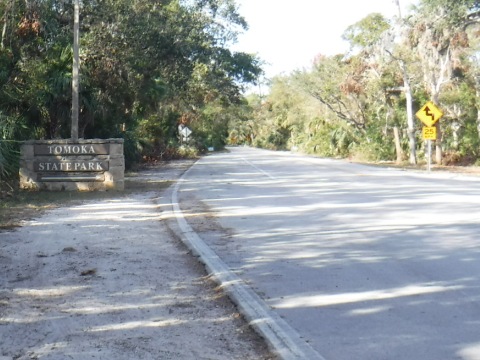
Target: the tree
pixel 338 85
pixel 142 61
pixel 367 32
pixel 439 36
pixel 394 45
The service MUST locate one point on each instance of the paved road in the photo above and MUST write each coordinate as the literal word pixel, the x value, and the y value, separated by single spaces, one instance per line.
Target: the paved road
pixel 364 263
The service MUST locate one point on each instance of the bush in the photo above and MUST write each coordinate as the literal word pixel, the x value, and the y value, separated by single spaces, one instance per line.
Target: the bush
pixel 188 152
pixel 133 149
pixel 372 152
pixel 9 159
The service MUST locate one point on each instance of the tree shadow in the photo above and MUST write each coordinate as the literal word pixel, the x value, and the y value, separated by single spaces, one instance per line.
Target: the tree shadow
pixel 383 265
pixel 105 280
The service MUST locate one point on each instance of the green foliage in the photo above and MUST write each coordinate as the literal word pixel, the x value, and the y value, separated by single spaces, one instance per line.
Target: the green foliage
pixel 276 139
pixel 143 64
pixel 133 148
pixel 9 149
pixel 9 158
pixel 348 105
pixel 327 141
pixel 452 12
pixel 367 31
pixel 378 146
pixel 188 152
pixel 212 127
pixel 149 64
pixel 470 141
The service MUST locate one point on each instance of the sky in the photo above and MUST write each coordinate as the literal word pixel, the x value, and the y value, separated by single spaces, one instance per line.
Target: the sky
pixel 288 34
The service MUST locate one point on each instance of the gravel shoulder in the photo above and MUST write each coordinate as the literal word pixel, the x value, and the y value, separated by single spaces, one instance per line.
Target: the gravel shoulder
pixel 108 279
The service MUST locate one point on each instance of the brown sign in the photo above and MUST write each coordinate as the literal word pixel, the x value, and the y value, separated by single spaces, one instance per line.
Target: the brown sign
pixel 69 166
pixel 72 149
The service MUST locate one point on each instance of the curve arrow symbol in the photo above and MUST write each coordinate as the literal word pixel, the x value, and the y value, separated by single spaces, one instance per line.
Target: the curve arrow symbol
pixel 429 113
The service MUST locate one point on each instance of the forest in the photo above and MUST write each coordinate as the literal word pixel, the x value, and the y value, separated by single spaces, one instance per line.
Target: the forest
pixel 361 105
pixel 148 66
pixel 145 67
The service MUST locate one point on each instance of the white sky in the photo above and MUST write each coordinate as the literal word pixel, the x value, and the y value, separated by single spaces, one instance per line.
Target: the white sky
pixel 288 34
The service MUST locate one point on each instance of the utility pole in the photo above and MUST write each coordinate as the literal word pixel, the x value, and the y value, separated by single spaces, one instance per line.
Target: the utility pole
pixel 76 71
pixel 399 8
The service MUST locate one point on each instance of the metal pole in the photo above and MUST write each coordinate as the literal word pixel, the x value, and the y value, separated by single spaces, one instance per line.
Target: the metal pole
pixel 76 71
pixel 429 144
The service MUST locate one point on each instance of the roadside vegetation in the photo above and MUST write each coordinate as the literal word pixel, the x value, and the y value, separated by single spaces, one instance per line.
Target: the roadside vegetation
pixel 361 105
pixel 148 66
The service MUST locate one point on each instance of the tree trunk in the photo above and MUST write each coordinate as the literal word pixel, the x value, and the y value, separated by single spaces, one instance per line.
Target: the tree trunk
pixel 408 99
pixel 75 72
pixel 438 142
pixel 5 23
pixel 4 32
pixel 455 126
pixel 478 105
pixel 410 119
pixel 398 146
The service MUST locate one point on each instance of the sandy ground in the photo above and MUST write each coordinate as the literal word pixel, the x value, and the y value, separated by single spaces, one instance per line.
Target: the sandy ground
pixel 109 280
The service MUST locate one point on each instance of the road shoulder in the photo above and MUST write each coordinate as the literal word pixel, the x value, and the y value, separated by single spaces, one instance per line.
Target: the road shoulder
pixel 107 279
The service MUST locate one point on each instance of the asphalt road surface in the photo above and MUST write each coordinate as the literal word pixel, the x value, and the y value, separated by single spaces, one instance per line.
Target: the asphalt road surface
pixel 363 262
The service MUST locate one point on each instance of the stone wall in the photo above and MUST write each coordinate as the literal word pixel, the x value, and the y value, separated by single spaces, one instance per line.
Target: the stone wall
pixel 83 165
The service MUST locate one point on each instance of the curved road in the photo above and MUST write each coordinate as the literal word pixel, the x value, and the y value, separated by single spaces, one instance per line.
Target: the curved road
pixel 362 262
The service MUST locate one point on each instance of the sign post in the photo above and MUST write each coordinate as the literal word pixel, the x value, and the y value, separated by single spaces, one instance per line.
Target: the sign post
pixel 429 114
pixel 76 71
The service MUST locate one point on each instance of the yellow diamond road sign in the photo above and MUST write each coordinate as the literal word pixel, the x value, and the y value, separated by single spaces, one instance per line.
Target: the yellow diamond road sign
pixel 429 114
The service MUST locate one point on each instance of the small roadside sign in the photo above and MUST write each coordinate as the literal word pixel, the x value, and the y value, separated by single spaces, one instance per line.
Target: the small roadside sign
pixel 429 114
pixel 429 133
pixel 186 132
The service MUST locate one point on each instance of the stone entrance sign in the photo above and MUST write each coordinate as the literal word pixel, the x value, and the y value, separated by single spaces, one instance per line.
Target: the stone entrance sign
pixel 83 165
pixel 71 149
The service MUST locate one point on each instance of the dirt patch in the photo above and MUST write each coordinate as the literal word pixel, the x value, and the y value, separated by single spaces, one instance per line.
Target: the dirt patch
pixel 105 278
pixel 456 169
pixel 18 206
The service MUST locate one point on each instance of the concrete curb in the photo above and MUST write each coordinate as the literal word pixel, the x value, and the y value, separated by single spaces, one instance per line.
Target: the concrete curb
pixel 282 338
